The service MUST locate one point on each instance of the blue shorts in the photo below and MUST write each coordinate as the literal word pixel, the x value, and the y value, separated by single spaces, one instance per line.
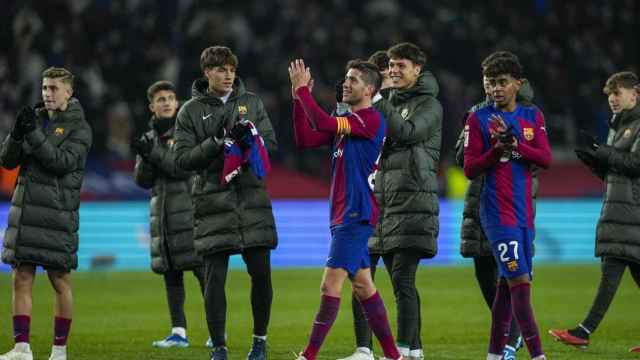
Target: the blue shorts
pixel 512 248
pixel 350 247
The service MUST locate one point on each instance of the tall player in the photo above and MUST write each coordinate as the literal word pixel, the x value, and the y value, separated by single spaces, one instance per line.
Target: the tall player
pixel 504 140
pixel 356 140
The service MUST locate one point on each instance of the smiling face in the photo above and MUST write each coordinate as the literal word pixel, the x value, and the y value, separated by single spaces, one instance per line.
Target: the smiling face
pixel 220 79
pixel 503 89
pixel 164 104
pixel 354 89
pixel 55 94
pixel 403 73
pixel 621 98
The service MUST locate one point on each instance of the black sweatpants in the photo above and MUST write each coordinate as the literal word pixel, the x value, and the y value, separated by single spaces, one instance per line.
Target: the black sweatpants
pixel 174 284
pixel 258 261
pixel 486 270
pixel 612 271
pixel 402 266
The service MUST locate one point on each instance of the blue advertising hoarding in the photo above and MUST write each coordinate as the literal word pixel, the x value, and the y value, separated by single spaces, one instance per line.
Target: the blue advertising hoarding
pixel 115 235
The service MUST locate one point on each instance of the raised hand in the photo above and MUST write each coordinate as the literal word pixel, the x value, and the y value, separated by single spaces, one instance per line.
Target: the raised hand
pixel 299 74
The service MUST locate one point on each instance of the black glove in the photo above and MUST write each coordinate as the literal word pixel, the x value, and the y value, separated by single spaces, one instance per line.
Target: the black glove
pixel 602 154
pixel 16 130
pixel 142 146
pixel 588 157
pixel 240 133
pixel 506 137
pixel 586 140
pixel 26 120
pixel 339 90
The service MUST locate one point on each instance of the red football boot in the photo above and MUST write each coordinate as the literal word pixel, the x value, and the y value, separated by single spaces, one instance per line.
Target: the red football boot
pixel 564 336
pixel 635 349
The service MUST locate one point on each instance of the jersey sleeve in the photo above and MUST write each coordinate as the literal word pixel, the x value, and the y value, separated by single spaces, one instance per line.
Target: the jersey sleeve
pixel 475 160
pixel 304 135
pixel 538 151
pixel 364 125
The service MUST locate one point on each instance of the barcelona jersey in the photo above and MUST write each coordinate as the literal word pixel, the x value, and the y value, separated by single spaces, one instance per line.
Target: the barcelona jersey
pixel 506 198
pixel 356 141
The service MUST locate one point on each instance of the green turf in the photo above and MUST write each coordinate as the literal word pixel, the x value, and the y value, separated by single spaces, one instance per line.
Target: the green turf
pixel 118 315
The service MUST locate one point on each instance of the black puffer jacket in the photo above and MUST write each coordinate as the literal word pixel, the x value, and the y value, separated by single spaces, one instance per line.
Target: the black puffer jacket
pixel 237 215
pixel 43 218
pixel 618 230
pixel 170 208
pixel 406 185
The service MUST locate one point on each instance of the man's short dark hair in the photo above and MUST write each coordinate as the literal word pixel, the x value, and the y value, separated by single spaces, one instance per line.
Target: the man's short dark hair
pixel 496 55
pixel 159 86
pixel 59 73
pixel 370 73
pixel 380 59
pixel 508 65
pixel 624 79
pixel 408 51
pixel 217 56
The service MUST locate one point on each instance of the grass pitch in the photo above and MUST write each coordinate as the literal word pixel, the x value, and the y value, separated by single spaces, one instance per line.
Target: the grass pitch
pixel 118 315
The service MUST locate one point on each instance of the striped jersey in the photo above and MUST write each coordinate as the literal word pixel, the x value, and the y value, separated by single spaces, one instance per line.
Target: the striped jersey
pixel 506 198
pixel 356 141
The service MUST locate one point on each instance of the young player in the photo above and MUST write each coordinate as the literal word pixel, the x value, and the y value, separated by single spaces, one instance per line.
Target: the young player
pixel 356 140
pixel 616 162
pixel 50 144
pixel 233 217
pixel 504 140
pixel 171 209
pixel 474 242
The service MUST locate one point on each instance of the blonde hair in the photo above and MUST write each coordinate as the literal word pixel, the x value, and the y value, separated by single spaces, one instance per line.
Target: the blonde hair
pixel 59 73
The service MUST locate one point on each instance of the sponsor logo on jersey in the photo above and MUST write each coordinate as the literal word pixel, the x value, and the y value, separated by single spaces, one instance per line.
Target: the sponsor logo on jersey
pixel 242 109
pixel 338 153
pixel 528 133
pixel 512 265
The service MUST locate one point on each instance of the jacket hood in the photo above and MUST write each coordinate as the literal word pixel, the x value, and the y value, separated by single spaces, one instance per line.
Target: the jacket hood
pixel 526 93
pixel 200 87
pixel 162 127
pixel 425 85
pixel 74 111
pixel 626 116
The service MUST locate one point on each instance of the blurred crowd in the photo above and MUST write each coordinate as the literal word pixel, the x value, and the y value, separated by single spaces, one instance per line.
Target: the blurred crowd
pixel 117 48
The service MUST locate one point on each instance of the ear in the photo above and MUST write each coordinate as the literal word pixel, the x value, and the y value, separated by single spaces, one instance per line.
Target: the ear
pixel 151 108
pixel 418 69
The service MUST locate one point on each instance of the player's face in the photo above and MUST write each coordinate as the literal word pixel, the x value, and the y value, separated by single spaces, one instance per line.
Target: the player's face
pixel 503 89
pixel 164 104
pixel 403 72
pixel 354 89
pixel 622 98
pixel 221 79
pixel 487 87
pixel 55 94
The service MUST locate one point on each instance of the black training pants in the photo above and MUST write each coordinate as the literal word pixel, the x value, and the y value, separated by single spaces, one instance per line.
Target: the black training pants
pixel 174 284
pixel 612 271
pixel 258 261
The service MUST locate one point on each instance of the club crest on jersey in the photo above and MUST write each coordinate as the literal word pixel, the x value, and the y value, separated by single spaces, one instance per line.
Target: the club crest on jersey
pixel 627 133
pixel 512 265
pixel 528 133
pixel 242 109
pixel 59 131
pixel 404 113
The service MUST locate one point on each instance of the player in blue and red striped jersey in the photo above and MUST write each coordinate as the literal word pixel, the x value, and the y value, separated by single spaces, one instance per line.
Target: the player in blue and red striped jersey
pixel 505 139
pixel 356 141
